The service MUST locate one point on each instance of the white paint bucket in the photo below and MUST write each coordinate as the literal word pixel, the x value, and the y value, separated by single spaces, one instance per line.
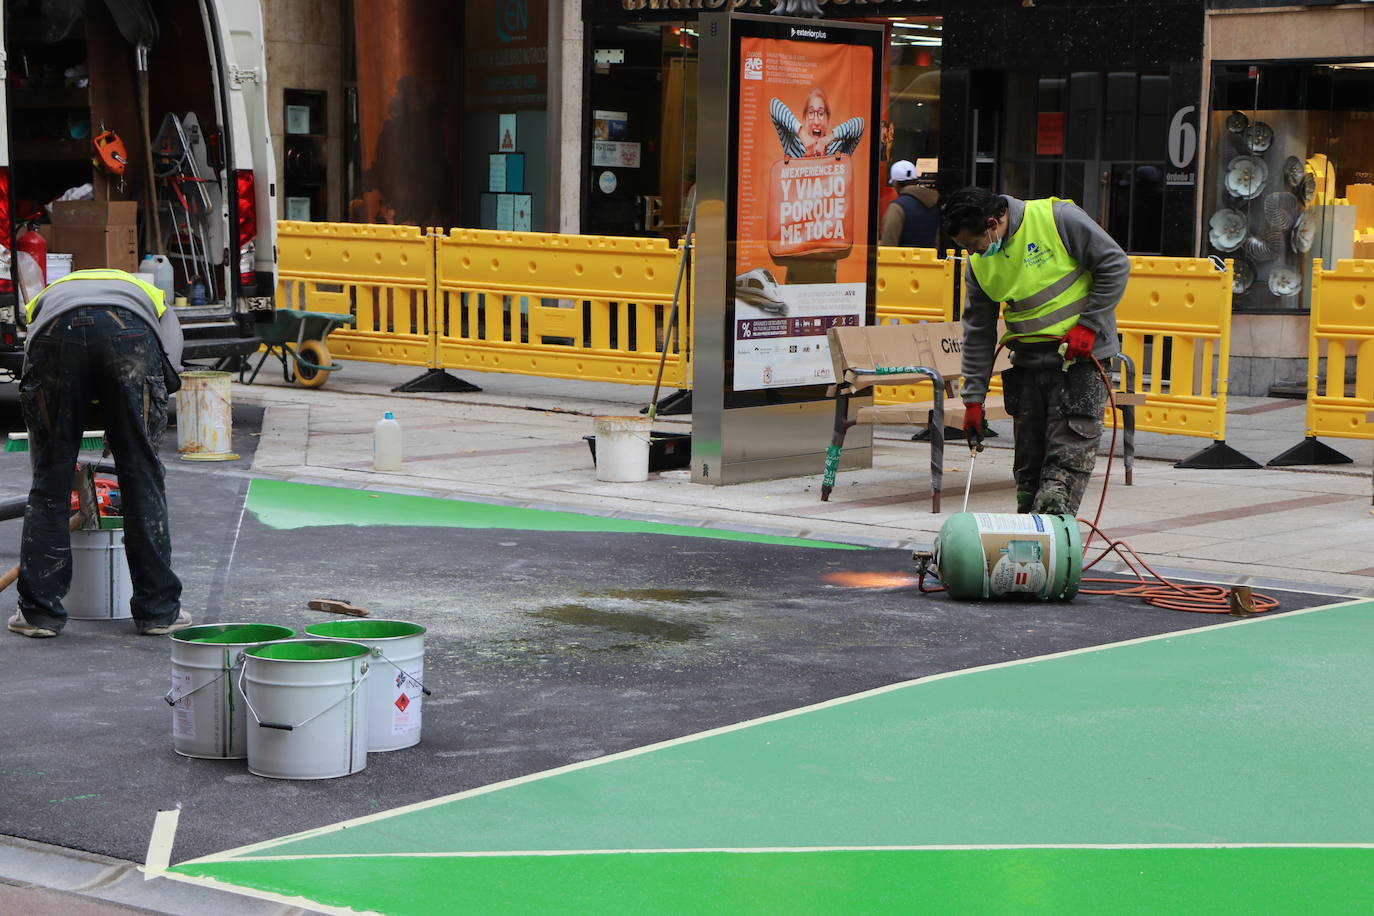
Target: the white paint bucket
pixel 101 587
pixel 622 449
pixel 396 690
pixel 205 423
pixel 303 695
pixel 208 714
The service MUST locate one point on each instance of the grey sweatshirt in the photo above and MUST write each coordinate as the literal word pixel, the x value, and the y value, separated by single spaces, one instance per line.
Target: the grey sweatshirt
pixel 72 293
pixel 1089 245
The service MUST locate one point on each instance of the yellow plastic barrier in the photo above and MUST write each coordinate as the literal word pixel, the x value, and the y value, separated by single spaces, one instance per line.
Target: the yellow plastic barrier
pixel 1342 328
pixel 382 275
pixel 914 285
pixel 560 306
pixel 1175 324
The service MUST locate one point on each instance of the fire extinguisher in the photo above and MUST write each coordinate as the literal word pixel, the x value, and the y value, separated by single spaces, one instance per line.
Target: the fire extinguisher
pixel 33 262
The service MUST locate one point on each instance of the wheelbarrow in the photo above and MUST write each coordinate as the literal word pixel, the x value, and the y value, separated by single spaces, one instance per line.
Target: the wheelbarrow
pixel 296 338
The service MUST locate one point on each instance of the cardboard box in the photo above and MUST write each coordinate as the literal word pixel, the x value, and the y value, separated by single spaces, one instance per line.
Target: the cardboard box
pixel 98 233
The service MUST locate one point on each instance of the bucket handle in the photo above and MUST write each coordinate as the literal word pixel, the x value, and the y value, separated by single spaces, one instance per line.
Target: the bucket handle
pixel 214 680
pixel 282 726
pixel 377 653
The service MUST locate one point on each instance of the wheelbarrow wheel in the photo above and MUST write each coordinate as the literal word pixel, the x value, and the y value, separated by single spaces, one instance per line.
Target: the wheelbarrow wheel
pixel 316 352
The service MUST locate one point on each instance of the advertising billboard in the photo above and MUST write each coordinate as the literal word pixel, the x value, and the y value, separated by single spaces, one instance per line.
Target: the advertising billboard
pixel 786 237
pixel 804 201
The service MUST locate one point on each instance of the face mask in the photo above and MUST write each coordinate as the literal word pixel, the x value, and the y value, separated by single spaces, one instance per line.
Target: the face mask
pixel 993 247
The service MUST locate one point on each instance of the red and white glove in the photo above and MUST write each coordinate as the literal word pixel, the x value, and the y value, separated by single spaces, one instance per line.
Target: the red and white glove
pixel 1079 342
pixel 974 425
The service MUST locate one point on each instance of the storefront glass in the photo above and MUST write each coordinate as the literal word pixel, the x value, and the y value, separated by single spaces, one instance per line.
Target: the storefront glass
pixel 1290 175
pixel 642 114
pixel 1096 138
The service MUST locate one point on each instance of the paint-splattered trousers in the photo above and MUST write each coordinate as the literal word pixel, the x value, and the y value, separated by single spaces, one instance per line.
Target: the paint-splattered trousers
pixel 111 356
pixel 1057 418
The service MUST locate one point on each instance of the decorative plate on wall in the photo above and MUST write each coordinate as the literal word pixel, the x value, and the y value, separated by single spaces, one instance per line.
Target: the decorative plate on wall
pixel 1245 177
pixel 1284 281
pixel 1243 276
pixel 1281 209
pixel 1293 170
pixel 1258 137
pixel 1304 232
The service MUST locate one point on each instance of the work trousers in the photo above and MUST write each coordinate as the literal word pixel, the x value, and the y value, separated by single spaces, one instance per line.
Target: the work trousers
pixel 1057 416
pixel 113 356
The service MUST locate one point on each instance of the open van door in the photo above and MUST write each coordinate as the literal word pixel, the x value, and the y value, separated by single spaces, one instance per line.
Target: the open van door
pixel 182 86
pixel 9 331
pixel 235 28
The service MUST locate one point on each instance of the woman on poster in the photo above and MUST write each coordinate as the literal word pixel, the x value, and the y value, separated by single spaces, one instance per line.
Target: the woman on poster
pixel 814 136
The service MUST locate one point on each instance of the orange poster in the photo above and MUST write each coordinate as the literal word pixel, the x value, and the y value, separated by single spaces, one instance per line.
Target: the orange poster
pixel 802 204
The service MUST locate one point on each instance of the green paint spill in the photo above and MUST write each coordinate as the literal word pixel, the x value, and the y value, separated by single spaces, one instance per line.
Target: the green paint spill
pixel 620 622
pixel 284 505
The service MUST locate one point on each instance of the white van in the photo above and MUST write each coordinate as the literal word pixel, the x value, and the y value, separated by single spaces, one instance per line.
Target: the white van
pixel 116 104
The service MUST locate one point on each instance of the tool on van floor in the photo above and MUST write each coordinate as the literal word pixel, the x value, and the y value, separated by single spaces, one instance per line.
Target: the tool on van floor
pixel 336 606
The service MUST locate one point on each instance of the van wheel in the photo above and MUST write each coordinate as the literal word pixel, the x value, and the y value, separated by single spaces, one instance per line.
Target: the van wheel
pixel 313 351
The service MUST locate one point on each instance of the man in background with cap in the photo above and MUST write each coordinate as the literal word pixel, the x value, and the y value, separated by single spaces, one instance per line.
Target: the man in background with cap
pixel 106 336
pixel 911 220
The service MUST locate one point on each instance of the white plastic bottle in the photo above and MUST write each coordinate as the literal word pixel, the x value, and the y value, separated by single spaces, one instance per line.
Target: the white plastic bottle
pixel 160 266
pixel 386 444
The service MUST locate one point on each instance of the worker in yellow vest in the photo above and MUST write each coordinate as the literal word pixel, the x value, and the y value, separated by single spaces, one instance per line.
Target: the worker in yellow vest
pixel 105 336
pixel 1055 277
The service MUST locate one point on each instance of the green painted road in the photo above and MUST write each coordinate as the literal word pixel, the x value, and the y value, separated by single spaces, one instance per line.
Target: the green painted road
pixel 1224 769
pixel 283 505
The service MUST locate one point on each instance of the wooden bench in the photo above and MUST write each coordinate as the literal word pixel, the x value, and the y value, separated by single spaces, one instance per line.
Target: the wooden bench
pixel 929 352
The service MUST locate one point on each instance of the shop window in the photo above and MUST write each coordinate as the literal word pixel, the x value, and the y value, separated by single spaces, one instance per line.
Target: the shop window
pixel 1096 138
pixel 641 129
pixel 304 165
pixel 1290 175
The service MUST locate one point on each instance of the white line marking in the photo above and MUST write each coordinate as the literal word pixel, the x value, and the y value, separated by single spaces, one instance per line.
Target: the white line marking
pixel 757 850
pixel 160 844
pixel 749 723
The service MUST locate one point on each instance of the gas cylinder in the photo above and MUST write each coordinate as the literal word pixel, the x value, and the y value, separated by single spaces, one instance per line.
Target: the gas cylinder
pixel 32 262
pixel 1036 557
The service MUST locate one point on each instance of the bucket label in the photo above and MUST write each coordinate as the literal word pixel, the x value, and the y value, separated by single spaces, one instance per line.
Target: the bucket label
pixel 1019 551
pixel 405 700
pixel 183 714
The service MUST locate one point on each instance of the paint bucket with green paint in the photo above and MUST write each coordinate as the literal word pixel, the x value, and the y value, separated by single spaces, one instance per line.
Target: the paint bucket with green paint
pixel 208 717
pixel 304 696
pixel 395 694
pixel 981 555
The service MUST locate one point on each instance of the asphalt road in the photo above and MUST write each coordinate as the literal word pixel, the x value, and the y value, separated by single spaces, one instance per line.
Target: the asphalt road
pixel 544 648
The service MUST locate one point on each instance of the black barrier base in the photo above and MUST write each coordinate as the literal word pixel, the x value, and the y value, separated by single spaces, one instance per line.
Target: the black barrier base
pixel 436 381
pixel 1219 457
pixel 679 402
pixel 952 434
pixel 1309 451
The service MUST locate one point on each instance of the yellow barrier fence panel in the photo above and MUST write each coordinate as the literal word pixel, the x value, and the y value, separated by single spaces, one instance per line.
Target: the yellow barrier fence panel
pixel 560 306
pixel 914 284
pixel 382 275
pixel 1340 390
pixel 1175 324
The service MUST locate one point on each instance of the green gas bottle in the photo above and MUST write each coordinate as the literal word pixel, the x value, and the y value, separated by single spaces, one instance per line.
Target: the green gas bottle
pixel 1038 557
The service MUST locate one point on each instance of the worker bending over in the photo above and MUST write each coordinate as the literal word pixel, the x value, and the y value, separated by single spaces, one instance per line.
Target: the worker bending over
pixel 104 336
pixel 1060 276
